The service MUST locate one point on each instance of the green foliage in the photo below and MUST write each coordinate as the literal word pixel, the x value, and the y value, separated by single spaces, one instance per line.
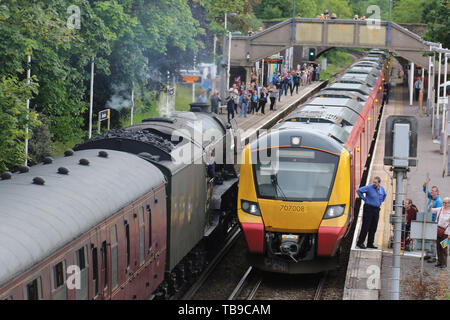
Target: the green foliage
pixel 14 117
pixel 41 141
pixel 363 8
pixel 337 61
pixel 408 11
pixel 436 13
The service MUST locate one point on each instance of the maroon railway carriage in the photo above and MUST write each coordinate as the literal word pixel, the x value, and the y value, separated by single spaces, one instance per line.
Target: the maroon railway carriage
pixel 101 212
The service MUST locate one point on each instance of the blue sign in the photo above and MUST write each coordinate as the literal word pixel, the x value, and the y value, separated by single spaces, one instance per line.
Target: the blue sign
pixel 104 114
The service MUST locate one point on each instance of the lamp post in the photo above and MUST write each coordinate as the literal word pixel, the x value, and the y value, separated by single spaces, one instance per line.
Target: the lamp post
pixel 389 25
pixel 225 77
pixel 293 23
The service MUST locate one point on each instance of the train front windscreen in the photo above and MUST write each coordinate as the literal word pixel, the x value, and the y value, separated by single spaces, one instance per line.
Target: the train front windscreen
pixel 294 174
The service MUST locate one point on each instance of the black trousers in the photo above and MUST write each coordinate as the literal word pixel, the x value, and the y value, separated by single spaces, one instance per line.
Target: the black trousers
pixel 272 102
pixel 369 226
pixel 230 113
pixel 417 94
pixel 261 105
pixel 296 87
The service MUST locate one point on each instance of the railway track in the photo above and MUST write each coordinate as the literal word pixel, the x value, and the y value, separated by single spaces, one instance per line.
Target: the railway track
pixel 234 235
pixel 252 279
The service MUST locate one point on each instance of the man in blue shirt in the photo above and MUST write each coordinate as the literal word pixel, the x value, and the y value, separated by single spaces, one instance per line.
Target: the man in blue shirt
pixel 374 197
pixel 434 201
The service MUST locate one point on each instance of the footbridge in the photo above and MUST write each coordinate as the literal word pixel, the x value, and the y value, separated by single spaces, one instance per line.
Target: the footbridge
pixel 324 34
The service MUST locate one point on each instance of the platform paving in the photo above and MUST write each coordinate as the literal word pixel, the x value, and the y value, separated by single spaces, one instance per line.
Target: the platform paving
pixel 363 269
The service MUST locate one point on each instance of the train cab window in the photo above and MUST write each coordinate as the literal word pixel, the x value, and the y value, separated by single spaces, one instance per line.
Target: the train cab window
pixel 114 256
pixel 95 271
pixel 141 236
pixel 105 264
pixel 33 290
pixel 58 275
pixel 149 214
pixel 296 175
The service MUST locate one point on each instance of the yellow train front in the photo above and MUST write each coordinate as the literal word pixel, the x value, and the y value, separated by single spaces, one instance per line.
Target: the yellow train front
pixel 295 199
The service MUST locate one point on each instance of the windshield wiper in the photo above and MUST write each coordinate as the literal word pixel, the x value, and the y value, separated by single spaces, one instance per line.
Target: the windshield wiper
pixel 275 183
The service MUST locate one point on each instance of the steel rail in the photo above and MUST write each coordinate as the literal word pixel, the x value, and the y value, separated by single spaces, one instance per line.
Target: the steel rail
pixel 212 265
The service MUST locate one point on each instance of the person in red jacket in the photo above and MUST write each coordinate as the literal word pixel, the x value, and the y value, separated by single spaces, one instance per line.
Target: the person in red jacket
pixel 411 214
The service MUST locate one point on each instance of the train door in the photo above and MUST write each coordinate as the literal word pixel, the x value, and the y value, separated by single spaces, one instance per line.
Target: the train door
pixel 82 261
pixel 94 270
pixel 130 254
pixel 158 236
pixel 104 263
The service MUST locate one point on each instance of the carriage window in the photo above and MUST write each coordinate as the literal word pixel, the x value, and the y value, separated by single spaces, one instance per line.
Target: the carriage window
pixel 114 255
pixel 81 258
pixel 104 264
pixel 149 211
pixel 95 270
pixel 141 236
pixel 127 236
pixel 33 290
pixel 58 275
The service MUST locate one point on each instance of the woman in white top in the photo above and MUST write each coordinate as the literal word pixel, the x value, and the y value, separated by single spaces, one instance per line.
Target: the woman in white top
pixel 443 223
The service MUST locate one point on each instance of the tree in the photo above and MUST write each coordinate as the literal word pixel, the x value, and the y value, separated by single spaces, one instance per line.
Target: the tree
pixel 14 117
pixel 436 13
pixel 408 11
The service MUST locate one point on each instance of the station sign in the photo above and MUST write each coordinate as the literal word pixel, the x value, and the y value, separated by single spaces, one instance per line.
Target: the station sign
pixel 104 115
pixel 273 60
pixel 190 78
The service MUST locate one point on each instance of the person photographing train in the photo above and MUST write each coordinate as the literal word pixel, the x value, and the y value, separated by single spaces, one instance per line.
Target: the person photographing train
pixel 374 197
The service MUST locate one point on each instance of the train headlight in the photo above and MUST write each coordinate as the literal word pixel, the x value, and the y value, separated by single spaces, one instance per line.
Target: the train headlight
pixel 334 211
pixel 250 207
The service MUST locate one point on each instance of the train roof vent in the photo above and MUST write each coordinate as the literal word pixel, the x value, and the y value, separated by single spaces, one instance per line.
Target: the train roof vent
pixel 24 169
pixel 63 170
pixel 48 160
pixel 84 162
pixel 103 154
pixel 38 181
pixel 6 175
pixel 68 153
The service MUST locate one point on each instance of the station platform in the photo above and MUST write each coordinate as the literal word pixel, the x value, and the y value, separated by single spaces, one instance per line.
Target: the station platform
pixel 369 271
pixel 257 121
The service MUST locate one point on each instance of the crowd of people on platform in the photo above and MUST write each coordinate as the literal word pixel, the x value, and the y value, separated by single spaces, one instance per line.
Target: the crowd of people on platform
pixel 249 99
